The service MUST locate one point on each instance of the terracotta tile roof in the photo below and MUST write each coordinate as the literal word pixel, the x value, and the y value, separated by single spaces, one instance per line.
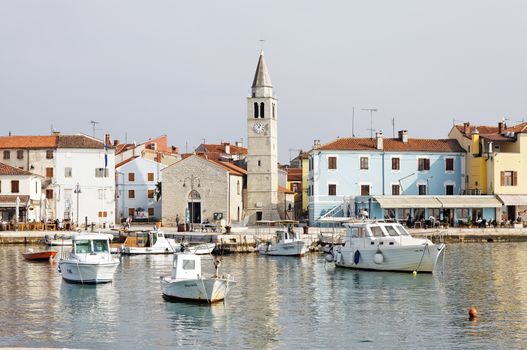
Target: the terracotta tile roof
pixel 79 141
pixel 31 142
pixel 11 199
pixel 497 137
pixel 231 168
pixel 393 145
pixel 122 147
pixel 284 190
pixel 490 129
pixel 9 170
pixel 118 165
pixel 294 174
pixel 209 148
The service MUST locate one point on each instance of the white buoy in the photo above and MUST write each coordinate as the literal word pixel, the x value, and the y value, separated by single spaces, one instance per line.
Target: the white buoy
pixel 378 258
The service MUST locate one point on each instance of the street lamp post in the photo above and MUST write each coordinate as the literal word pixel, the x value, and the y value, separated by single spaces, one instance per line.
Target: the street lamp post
pixel 192 179
pixel 371 110
pixel 77 191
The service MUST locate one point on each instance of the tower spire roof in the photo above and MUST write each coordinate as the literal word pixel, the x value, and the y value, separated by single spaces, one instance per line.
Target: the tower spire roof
pixel 261 76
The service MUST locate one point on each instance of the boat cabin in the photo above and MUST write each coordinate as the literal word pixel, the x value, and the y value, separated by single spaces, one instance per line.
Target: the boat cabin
pixel 381 233
pixel 91 244
pixel 283 235
pixel 186 266
pixel 143 239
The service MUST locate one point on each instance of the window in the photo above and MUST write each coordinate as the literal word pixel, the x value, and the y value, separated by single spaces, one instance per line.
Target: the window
pixel 151 212
pixel 449 190
pixel 36 187
pixel 189 264
pixel 422 190
pixel 1 186
pixel 435 212
pixel 449 164
pixel 49 194
pixel 101 172
pixel 396 190
pixel 274 111
pixel 20 154
pixel 49 154
pixel 396 164
pixel 256 109
pixel 7 154
pixel 364 190
pixel 363 163
pixel 151 194
pixel 100 245
pixel 376 231
pixel 131 212
pixel 82 246
pixel 332 189
pixel 14 186
pixel 238 187
pixel 101 193
pixel 509 178
pixel 332 163
pixel 150 176
pixel 67 172
pixel 103 214
pixel 423 164
pixel 131 193
pixel 262 110
pixel 259 163
pixel 462 213
pixel 131 177
pixel 49 172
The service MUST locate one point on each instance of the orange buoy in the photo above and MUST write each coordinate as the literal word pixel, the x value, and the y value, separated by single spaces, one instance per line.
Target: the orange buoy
pixel 472 313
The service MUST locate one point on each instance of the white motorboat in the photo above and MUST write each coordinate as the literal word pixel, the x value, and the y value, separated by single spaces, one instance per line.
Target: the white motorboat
pixel 200 249
pixel 151 242
pixel 187 282
pixel 58 240
pixel 90 260
pixel 286 242
pixel 386 247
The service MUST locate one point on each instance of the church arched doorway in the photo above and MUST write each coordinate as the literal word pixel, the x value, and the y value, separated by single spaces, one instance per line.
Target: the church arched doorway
pixel 194 207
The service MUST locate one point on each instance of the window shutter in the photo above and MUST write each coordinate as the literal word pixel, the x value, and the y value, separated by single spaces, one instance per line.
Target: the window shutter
pixel 514 178
pixel 502 180
pixel 427 164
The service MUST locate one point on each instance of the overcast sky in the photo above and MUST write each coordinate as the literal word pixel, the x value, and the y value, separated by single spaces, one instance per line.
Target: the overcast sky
pixel 184 68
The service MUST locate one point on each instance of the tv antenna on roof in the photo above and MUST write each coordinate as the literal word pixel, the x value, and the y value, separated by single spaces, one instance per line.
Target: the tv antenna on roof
pixel 371 110
pixel 261 44
pixel 94 123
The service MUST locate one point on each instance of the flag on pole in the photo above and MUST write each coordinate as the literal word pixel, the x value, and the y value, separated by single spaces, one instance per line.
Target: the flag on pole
pixel 105 155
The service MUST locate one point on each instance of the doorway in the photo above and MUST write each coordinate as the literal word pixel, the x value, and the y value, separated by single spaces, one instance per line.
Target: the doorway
pixel 194 210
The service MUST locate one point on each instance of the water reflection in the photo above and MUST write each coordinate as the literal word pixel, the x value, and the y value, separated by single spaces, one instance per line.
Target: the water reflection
pixel 279 302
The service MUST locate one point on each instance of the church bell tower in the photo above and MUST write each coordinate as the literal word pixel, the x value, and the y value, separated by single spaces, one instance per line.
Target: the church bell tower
pixel 262 160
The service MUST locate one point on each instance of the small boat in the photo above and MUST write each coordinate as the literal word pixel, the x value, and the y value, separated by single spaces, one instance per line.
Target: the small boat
pixel 151 242
pixel 90 260
pixel 188 283
pixel 56 240
pixel 200 249
pixel 386 247
pixel 40 255
pixel 285 243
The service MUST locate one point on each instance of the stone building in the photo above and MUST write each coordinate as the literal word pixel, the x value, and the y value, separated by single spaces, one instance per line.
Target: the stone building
pixel 199 190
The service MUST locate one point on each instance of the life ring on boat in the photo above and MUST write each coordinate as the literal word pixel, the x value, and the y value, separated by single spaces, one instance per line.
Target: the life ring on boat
pixel 356 257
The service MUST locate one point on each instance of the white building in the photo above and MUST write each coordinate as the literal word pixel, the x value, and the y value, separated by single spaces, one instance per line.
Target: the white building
pixel 137 179
pixel 67 163
pixel 15 182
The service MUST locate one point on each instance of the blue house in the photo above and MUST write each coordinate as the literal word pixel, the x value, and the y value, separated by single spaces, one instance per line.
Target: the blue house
pixel 394 178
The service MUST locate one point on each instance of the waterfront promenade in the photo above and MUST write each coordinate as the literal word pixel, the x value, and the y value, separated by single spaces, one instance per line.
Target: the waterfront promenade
pixel 243 239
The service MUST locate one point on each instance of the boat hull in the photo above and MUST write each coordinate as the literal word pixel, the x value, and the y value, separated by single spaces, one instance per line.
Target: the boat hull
pixel 420 258
pixel 295 248
pixel 198 290
pixel 82 272
pixel 146 250
pixel 201 249
pixel 36 256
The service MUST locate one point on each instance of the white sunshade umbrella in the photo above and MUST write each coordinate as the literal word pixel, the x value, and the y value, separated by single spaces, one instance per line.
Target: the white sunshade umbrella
pixel 17 206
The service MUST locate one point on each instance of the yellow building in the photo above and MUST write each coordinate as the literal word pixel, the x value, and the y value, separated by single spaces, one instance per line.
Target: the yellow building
pixel 496 163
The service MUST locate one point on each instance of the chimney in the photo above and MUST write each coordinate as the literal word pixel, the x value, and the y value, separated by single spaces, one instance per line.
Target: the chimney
pixel 227 147
pixel 403 136
pixel 316 144
pixel 175 149
pixel 54 133
pixel 379 144
pixel 500 127
pixel 115 143
pixel 107 139
pixel 466 128
pixel 239 144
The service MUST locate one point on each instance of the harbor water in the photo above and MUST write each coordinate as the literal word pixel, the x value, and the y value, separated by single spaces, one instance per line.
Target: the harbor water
pixel 278 303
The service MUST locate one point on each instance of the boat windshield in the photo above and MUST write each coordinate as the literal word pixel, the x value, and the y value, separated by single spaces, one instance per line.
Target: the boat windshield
pixel 402 231
pixel 100 245
pixel 357 232
pixel 391 230
pixel 376 231
pixel 82 246
pixel 189 264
